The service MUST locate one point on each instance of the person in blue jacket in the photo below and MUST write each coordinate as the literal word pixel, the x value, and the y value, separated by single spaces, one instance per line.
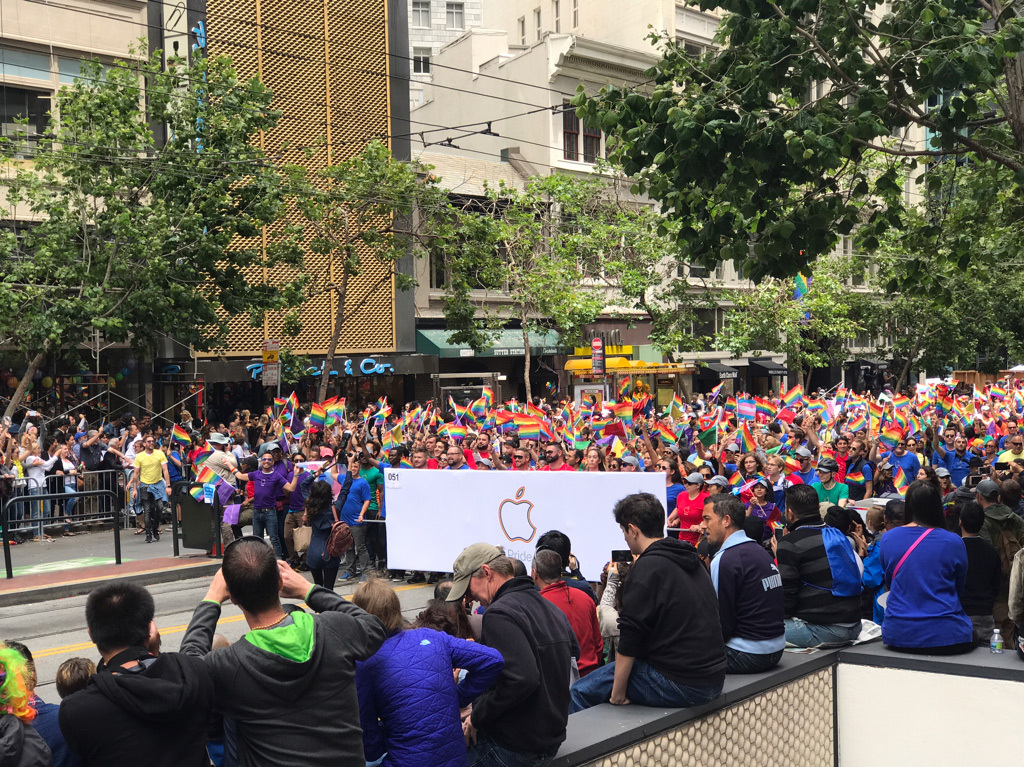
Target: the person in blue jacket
pixel 925 569
pixel 409 702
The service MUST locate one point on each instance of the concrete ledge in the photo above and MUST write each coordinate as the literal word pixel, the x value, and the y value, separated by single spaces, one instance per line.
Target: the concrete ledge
pixel 979 663
pixel 606 729
pixel 73 583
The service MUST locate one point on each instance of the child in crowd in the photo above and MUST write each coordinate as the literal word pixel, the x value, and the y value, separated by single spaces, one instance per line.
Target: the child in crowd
pixel 72 675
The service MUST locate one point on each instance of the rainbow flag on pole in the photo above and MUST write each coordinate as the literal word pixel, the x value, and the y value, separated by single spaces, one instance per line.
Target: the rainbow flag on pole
pixel 180 436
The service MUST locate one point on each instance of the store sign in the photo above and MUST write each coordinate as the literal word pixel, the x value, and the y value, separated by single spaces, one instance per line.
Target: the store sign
pixel 368 367
pixel 597 356
pixel 271 374
pixel 726 374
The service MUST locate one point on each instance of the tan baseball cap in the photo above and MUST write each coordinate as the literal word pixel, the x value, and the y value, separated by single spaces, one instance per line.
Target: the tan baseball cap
pixel 467 563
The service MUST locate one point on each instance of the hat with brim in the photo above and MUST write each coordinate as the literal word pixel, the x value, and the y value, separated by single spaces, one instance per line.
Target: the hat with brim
pixel 266 447
pixel 218 439
pixel 942 472
pixel 468 562
pixel 631 460
pixel 718 480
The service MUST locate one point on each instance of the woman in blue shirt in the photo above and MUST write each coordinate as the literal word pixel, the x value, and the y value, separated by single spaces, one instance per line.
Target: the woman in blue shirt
pixel 673 484
pixel 925 569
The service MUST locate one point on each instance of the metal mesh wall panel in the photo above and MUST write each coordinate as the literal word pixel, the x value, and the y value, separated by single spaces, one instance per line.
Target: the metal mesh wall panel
pixel 326 63
pixel 757 731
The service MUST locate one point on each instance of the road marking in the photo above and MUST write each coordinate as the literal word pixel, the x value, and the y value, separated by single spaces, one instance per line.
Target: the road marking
pixel 67 564
pixel 72 648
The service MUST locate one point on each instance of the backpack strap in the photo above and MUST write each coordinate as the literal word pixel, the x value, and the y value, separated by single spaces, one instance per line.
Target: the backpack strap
pixel 907 552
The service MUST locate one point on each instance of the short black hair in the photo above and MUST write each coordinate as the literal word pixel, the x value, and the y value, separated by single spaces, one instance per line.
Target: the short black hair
pixel 556 541
pixel 442 588
pixel 118 615
pixel 644 511
pixel 251 574
pixel 972 517
pixel 518 567
pixel 896 512
pixel 839 518
pixel 753 528
pixel 802 500
pixel 728 505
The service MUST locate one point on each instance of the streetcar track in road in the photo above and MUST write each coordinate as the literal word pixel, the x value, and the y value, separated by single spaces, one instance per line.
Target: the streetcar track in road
pixel 71 648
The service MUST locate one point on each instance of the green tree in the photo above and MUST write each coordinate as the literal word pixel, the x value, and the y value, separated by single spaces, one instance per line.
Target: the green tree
pixel 790 134
pixel 554 256
pixel 812 332
pixel 360 214
pixel 119 233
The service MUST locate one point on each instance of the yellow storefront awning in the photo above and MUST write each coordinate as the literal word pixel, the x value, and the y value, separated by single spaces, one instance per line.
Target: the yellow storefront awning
pixel 621 365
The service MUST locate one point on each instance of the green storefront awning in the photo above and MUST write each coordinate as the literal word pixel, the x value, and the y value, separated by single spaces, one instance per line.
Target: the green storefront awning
pixel 507 343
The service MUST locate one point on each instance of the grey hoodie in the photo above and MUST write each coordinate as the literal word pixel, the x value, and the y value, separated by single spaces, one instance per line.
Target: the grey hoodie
pixel 287 712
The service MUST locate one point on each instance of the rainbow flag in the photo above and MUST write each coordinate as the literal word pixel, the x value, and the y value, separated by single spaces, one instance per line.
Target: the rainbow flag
pixel 206 474
pixel 900 481
pixel 530 430
pixel 624 388
pixel 747 442
pixel 855 477
pixel 392 438
pixel 858 422
pixel 624 412
pixel 405 463
pixel 889 436
pixel 479 409
pixel 664 434
pixel 735 480
pixel 730 405
pixel 792 464
pixel 488 395
pixel 766 408
pixel 180 436
pixel 317 416
pixel 715 391
pixel 455 431
pixel 793 396
pixel 997 392
pixel 535 411
pixel 677 410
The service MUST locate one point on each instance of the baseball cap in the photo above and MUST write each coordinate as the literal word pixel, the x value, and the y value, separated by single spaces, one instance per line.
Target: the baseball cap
pixel 803 452
pixel 217 438
pixel 674 449
pixel 987 487
pixel 719 480
pixel 695 479
pixel 484 462
pixel 631 460
pixel 266 447
pixel 467 563
pixel 733 447
pixel 326 452
pixel 942 472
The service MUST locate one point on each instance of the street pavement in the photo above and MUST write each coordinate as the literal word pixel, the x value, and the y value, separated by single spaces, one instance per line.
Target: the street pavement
pixel 88 549
pixel 55 630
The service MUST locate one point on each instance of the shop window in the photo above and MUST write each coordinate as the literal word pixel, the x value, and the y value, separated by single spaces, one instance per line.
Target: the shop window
pixel 24 115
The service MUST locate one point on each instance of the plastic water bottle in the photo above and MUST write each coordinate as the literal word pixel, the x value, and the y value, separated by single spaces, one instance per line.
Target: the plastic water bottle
pixel 995 644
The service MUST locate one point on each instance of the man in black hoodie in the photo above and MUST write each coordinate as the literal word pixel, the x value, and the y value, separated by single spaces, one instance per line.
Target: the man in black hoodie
pixel 141 707
pixel 522 718
pixel 287 688
pixel 671 652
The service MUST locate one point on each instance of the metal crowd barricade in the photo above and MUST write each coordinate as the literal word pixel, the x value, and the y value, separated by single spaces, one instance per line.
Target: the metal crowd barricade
pixel 194 524
pixel 17 500
pixel 94 508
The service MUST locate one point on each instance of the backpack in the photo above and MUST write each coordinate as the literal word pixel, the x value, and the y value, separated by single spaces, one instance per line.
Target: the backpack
pixel 846 577
pixel 1007 544
pixel 340 539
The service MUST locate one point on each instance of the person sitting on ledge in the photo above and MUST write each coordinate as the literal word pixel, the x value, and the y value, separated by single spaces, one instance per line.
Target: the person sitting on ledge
pixel 671 652
pixel 821 582
pixel 750 602
pixel 926 570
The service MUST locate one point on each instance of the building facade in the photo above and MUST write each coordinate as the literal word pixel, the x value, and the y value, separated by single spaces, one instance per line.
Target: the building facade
pixel 432 25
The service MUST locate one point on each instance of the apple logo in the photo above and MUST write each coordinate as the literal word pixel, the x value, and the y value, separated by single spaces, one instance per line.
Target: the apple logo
pixel 514 517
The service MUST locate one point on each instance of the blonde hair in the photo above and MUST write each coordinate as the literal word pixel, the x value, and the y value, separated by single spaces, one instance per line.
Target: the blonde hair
pixel 185 416
pixel 380 600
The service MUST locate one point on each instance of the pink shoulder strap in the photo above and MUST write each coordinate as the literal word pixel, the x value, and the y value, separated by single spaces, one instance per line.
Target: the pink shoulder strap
pixel 913 546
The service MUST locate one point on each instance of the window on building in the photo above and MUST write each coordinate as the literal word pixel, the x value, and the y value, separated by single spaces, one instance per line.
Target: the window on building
pixel 522 30
pixel 536 23
pixel 20 105
pixel 455 15
pixel 704 322
pixel 575 13
pixel 556 12
pixel 693 48
pixel 591 144
pixel 421 13
pixel 570 135
pixel 699 272
pixel 421 61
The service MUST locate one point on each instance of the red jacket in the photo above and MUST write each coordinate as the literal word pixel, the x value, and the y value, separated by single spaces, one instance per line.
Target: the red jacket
pixel 579 609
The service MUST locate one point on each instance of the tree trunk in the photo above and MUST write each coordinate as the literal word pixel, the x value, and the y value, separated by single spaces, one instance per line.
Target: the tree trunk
pixel 19 393
pixel 526 361
pixel 805 378
pixel 339 319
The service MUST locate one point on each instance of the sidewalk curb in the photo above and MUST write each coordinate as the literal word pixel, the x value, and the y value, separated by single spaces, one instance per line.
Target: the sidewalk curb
pixel 78 588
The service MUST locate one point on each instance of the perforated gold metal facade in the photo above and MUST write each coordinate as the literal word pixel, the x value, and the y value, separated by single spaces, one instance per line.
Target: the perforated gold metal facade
pixel 326 63
pixel 790 726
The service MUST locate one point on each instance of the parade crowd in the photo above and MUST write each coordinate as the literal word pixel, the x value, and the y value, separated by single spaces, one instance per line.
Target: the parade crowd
pixel 800 520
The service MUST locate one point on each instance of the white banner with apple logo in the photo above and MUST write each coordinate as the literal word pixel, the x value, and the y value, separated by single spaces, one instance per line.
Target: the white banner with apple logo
pixel 434 515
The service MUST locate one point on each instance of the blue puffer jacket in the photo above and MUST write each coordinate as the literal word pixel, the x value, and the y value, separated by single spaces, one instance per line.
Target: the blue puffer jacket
pixel 409 702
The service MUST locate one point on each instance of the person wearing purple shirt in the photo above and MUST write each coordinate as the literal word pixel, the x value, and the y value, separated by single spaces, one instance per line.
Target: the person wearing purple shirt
pixel 268 484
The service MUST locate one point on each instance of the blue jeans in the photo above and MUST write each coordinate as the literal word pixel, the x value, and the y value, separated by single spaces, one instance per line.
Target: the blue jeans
pixel 748 663
pixel 40 510
pixel 803 634
pixel 266 519
pixel 487 753
pixel 646 687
